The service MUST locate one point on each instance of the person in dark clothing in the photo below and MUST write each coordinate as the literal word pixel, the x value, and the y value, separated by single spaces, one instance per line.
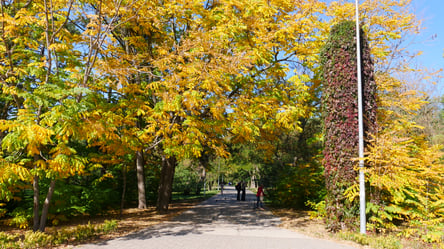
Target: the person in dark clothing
pixel 238 188
pixel 244 185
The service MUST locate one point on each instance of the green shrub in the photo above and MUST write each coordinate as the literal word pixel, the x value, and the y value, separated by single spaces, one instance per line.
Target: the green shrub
pixel 186 179
pixel 20 218
pixel 44 240
pixel 109 226
pixel 376 242
pixel 37 240
pixel 427 232
pixel 84 232
pixel 62 236
pixel 8 241
pixel 3 211
pixel 318 209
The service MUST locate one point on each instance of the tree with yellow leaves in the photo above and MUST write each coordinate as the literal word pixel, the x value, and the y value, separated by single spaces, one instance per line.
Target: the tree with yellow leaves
pixel 407 171
pixel 43 78
pixel 175 79
pixel 193 73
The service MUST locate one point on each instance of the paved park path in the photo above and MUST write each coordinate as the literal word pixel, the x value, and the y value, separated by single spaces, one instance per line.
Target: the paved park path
pixel 219 222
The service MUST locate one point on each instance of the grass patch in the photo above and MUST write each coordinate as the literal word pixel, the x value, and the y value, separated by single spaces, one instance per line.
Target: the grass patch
pixel 180 197
pixel 386 241
pixel 376 242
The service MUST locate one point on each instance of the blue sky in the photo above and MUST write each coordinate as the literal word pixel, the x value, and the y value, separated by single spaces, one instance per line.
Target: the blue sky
pixel 431 39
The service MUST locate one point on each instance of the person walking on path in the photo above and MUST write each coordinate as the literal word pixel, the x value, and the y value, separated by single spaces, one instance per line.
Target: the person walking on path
pixel 238 188
pixel 260 197
pixel 243 186
pixel 222 188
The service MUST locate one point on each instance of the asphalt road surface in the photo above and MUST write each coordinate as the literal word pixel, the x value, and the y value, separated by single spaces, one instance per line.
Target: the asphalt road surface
pixel 220 222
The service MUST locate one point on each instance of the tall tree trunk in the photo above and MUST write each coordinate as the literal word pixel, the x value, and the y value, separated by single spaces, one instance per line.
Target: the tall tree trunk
pixel 36 189
pixel 140 164
pixel 45 208
pixel 203 179
pixel 166 183
pixel 122 201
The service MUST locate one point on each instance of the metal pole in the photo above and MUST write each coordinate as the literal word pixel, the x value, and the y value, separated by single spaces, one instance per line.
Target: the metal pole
pixel 218 175
pixel 205 182
pixel 361 128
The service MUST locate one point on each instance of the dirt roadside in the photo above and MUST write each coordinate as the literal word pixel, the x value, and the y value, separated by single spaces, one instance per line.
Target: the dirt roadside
pixel 300 221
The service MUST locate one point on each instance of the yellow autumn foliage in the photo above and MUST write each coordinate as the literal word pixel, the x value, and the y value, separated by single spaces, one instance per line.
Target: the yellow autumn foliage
pixel 182 76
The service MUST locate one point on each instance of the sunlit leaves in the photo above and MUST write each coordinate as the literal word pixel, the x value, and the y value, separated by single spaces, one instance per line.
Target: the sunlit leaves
pixel 407 179
pixel 197 61
pixel 181 78
pixel 385 22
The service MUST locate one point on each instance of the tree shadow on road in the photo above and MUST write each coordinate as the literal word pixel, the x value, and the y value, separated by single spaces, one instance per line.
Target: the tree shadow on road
pixel 220 211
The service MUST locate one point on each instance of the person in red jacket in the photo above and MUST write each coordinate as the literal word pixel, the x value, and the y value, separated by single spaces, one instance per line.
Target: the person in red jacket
pixel 260 197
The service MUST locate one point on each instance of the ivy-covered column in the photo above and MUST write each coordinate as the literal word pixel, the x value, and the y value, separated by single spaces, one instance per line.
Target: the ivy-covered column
pixel 340 110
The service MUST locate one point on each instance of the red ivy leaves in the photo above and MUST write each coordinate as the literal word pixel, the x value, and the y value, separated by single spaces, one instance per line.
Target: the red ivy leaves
pixel 340 110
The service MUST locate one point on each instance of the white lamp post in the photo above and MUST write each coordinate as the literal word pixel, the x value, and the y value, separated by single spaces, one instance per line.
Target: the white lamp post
pixel 361 129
